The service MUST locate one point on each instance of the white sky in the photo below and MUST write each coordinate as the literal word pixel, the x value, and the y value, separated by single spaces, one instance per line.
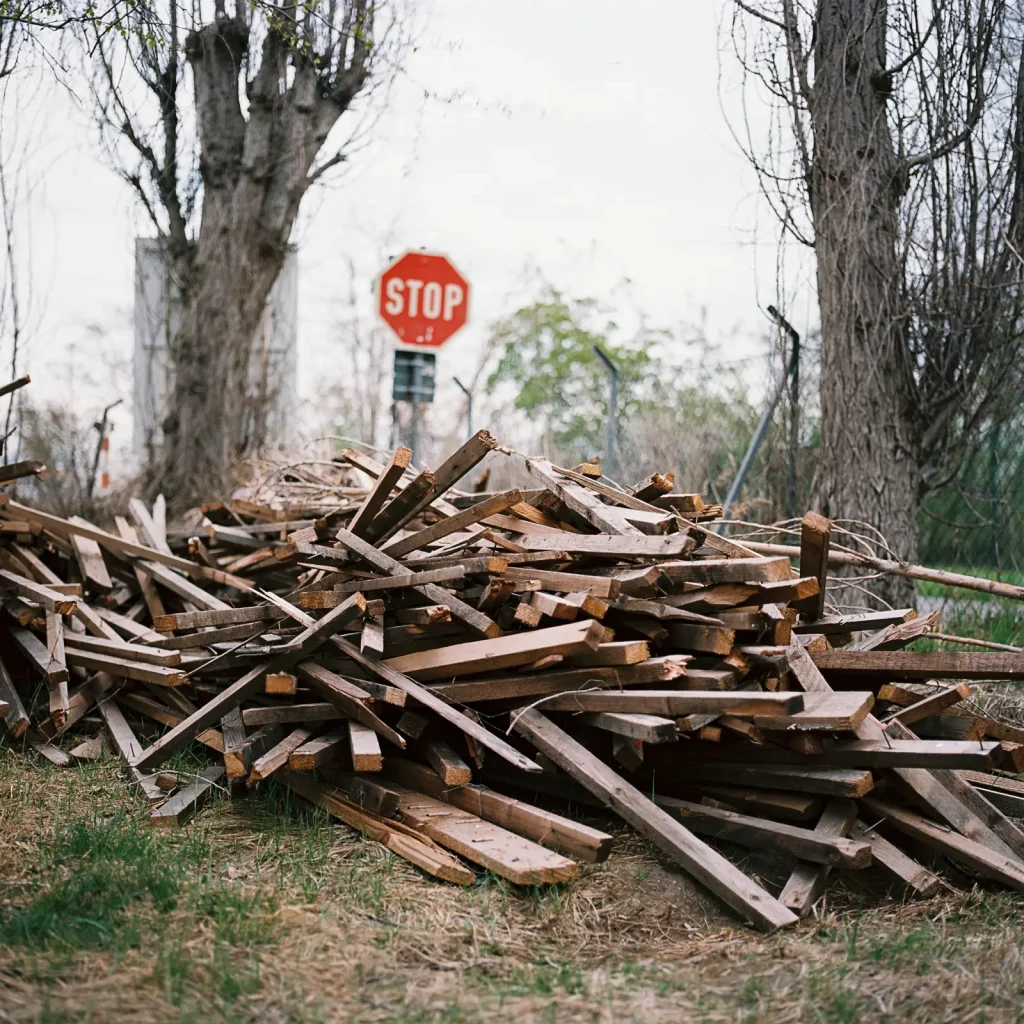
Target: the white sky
pixel 588 141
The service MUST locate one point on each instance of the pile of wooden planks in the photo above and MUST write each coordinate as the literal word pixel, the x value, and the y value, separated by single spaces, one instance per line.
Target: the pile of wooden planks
pixel 440 667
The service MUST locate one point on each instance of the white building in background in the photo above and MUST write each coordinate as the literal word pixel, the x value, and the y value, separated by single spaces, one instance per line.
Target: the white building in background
pixel 275 352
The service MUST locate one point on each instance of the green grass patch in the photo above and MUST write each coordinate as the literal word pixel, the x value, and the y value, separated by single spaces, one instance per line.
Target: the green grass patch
pixel 96 871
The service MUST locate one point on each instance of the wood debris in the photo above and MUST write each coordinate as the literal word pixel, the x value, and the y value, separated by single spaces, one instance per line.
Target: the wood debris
pixel 435 666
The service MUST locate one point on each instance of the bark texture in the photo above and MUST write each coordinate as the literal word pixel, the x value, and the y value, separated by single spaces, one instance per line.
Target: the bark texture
pixel 869 467
pixel 255 169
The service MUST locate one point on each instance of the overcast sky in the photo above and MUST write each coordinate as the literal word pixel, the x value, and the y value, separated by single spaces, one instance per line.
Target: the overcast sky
pixel 586 139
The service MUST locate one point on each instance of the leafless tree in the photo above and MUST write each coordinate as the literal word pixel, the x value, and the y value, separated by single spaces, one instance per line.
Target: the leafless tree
pixel 221 120
pixel 896 151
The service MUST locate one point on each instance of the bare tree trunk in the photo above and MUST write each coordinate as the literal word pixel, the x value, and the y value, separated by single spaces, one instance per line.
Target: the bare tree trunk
pixel 255 171
pixel 869 466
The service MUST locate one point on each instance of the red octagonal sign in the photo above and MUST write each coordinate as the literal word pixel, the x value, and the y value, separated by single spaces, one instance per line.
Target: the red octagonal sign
pixel 423 299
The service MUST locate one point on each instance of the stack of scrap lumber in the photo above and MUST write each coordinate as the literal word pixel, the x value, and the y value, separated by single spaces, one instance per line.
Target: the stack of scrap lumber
pixel 440 667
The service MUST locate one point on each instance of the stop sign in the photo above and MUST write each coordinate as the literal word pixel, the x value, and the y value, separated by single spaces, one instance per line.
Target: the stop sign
pixel 423 299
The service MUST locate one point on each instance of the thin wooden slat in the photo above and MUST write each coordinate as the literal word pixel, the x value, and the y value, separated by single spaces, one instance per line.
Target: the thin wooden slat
pixel 817 846
pixel 807 881
pixel 891 665
pixel 678 702
pixel 176 810
pixel 450 768
pixel 895 862
pixel 542 826
pixel 500 653
pixel 508 855
pixel 277 756
pixel 381 490
pixel 363 747
pixel 418 849
pixel 1007 870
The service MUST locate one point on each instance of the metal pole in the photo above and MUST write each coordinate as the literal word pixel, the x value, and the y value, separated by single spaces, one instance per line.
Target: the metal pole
pixel 102 428
pixel 793 497
pixel 414 422
pixel 613 397
pixel 469 406
pixel 755 441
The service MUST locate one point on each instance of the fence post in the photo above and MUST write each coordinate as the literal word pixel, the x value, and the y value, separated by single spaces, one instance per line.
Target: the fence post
pixel 613 398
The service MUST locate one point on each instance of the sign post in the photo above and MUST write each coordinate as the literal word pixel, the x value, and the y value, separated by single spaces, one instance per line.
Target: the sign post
pixel 424 300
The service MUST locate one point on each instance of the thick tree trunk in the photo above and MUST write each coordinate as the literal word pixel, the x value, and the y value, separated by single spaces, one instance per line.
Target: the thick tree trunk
pixel 869 467
pixel 255 171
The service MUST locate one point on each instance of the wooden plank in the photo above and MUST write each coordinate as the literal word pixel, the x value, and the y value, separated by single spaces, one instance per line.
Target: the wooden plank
pixel 729 570
pixel 150 594
pixel 889 665
pixel 203 638
pixel 177 809
pixel 289 714
pixel 500 653
pixel 933 703
pixel 473 618
pixel 835 712
pixel 89 557
pixel 1007 870
pixel 157 675
pixel 450 768
pixel 318 750
pixel 332 598
pixel 419 693
pixel 815 534
pixel 38 656
pixel 895 862
pixel 648 728
pixel 618 652
pixel 565 582
pixel 400 839
pixel 542 826
pixel 747 898
pixel 706 639
pixel 508 855
pixel 364 748
pixel 52 600
pixel 128 747
pixel 807 881
pixel 885 753
pixel 217 617
pixel 427 615
pixel 277 756
pixel 817 846
pixel 15 717
pixel 612 545
pixel 123 649
pixel 515 687
pixel 849 782
pixel 381 490
pixel 678 702
pixel 58 692
pixel 830 625
pixel 452 524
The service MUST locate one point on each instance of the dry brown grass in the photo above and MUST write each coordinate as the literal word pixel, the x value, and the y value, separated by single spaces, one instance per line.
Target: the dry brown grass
pixel 281 915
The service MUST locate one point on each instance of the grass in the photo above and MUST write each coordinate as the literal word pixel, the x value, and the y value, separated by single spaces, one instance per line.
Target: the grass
pixel 262 911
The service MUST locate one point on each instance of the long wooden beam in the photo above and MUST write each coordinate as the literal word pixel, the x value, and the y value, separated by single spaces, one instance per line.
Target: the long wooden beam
pixel 710 868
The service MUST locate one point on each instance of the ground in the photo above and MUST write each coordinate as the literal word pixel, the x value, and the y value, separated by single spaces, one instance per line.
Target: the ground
pixel 262 911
